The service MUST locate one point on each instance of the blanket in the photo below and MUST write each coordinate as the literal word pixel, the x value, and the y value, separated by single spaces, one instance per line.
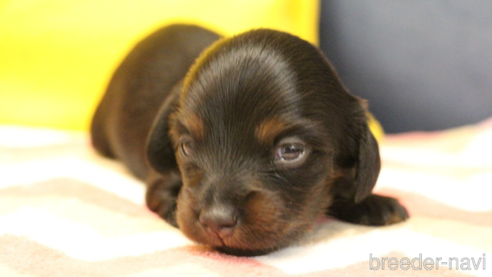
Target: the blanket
pixel 65 211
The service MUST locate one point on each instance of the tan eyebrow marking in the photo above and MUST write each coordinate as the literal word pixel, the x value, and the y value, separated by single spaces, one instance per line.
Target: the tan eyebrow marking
pixel 268 130
pixel 195 126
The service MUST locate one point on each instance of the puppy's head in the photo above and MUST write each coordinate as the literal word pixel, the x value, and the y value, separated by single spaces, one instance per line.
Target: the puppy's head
pixel 261 132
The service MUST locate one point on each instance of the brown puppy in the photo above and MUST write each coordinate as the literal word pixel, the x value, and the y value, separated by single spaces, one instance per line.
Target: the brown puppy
pixel 246 151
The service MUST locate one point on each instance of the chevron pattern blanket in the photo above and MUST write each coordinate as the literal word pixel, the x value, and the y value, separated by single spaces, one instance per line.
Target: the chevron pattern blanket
pixel 65 211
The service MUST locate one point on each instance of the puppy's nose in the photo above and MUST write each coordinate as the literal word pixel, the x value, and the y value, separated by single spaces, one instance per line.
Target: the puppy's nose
pixel 220 220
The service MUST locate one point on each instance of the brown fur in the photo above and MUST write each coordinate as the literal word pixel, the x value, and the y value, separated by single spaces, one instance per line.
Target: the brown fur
pixel 260 141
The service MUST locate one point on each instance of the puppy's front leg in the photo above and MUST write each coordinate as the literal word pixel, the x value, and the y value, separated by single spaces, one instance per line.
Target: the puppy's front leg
pixel 162 193
pixel 375 210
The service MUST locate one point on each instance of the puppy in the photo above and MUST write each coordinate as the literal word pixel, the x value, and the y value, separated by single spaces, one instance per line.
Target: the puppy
pixel 243 142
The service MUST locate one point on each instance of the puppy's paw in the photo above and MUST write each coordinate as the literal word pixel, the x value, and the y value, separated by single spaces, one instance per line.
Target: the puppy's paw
pixel 161 197
pixel 375 210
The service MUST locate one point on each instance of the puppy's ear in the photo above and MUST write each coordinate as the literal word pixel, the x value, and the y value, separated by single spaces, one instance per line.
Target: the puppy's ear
pixel 159 147
pixel 367 166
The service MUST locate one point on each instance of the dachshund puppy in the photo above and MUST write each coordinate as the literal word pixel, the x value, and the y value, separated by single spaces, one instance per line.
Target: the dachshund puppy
pixel 243 142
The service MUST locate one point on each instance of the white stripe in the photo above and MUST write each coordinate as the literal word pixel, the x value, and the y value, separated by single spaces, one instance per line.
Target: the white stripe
pixel 106 175
pixel 470 194
pixel 348 250
pixel 475 154
pixel 80 241
pixel 28 137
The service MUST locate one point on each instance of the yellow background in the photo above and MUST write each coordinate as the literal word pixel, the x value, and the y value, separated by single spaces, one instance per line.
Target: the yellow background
pixel 56 56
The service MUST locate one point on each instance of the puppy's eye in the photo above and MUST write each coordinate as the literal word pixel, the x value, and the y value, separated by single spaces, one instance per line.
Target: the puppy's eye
pixel 185 148
pixel 289 152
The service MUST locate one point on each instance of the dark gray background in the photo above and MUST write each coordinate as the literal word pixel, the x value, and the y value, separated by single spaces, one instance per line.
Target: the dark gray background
pixel 423 65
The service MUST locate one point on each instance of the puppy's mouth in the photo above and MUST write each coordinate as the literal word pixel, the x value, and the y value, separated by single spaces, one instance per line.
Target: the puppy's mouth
pixel 245 252
pixel 263 226
pixel 243 240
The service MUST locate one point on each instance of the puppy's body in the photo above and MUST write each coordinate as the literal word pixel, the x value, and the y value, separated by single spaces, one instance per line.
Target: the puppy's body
pixel 251 147
pixel 139 87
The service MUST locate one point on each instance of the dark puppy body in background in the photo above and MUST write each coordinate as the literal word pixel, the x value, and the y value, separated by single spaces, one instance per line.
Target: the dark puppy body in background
pixel 251 147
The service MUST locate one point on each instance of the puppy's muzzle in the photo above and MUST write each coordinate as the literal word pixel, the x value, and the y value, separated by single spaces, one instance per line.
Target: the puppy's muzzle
pixel 219 220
